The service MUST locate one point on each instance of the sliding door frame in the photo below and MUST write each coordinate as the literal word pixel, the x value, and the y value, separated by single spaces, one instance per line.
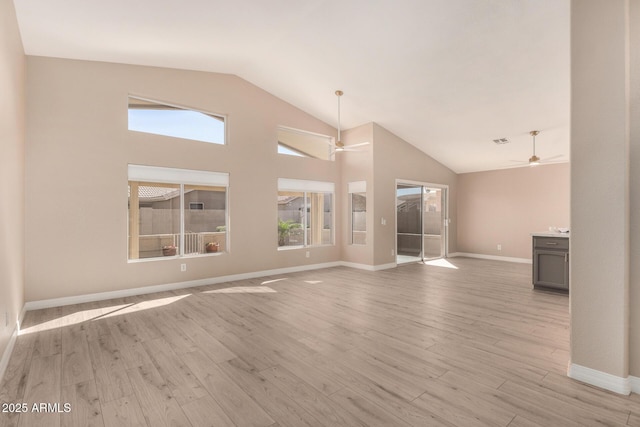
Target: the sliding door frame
pixel 445 222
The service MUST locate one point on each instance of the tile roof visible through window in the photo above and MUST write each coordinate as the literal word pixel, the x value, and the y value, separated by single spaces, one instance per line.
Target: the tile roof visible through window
pixel 154 194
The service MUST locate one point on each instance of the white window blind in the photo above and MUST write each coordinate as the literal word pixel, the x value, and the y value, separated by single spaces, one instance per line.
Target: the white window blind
pixel 286 184
pixel 357 187
pixel 178 176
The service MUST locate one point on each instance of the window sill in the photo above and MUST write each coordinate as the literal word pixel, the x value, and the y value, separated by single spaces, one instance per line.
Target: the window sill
pixel 291 248
pixel 166 258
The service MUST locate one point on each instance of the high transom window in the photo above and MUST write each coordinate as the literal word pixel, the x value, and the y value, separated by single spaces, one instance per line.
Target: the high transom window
pixel 178 122
pixel 295 142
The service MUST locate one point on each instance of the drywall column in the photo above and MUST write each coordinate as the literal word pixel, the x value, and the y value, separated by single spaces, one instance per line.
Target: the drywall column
pixel 634 182
pixel 600 193
pixel 12 184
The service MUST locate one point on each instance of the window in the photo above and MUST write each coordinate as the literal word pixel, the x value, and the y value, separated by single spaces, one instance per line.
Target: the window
pixel 358 206
pixel 168 120
pixel 161 221
pixel 294 142
pixel 305 213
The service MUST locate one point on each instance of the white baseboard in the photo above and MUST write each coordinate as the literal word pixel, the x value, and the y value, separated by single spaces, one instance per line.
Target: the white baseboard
pixel 6 355
pixel 635 384
pixel 601 379
pixel 101 296
pixel 358 266
pixel 384 266
pixel 58 302
pixel 491 257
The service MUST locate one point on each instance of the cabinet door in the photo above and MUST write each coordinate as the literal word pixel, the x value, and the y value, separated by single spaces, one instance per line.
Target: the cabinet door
pixel 551 269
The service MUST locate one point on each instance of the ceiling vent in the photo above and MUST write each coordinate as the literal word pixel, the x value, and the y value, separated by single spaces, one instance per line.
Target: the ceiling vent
pixel 501 141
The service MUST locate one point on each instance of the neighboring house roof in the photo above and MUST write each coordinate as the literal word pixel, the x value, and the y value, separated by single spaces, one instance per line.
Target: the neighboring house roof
pixel 158 194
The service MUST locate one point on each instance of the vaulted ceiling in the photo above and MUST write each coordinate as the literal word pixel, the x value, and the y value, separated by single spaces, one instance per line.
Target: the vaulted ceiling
pixel 448 76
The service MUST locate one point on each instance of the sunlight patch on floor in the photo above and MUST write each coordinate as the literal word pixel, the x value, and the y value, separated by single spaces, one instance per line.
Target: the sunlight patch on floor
pixel 440 263
pixel 266 282
pixel 99 313
pixel 146 305
pixel 72 319
pixel 313 282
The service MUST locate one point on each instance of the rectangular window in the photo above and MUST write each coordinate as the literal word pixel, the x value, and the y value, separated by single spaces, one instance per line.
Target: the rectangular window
pixel 295 142
pixel 358 206
pixel 178 122
pixel 196 206
pixel 161 221
pixel 305 213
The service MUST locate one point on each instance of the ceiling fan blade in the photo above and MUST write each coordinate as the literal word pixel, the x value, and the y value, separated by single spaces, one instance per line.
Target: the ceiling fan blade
pixel 546 159
pixel 356 145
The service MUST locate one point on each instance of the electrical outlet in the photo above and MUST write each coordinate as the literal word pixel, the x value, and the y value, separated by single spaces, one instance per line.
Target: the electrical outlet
pixel 183 267
pixel 393 252
pixel 308 254
pixel 499 247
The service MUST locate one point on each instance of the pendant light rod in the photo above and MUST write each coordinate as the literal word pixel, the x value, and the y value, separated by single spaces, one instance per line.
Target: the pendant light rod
pixel 339 93
pixel 533 134
pixel 534 160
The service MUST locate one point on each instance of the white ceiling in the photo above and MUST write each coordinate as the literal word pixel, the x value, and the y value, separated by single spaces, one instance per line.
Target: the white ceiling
pixel 447 76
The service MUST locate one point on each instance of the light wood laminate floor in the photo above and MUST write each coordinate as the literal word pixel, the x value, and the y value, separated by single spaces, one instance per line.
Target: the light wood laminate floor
pixel 419 345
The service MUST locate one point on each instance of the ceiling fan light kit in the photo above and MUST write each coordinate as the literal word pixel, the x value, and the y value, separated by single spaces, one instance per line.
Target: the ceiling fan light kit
pixel 534 160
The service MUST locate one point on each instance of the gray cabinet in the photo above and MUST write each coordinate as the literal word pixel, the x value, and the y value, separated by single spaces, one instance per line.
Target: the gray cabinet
pixel 551 263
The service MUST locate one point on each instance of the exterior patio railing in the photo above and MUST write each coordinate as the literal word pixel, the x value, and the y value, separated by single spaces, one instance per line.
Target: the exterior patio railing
pixel 194 243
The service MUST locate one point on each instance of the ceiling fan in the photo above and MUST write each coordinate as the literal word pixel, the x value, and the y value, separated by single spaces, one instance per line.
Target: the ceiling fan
pixel 535 160
pixel 339 146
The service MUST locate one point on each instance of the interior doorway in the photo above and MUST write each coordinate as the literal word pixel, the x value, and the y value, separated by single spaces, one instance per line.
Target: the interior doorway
pixel 421 221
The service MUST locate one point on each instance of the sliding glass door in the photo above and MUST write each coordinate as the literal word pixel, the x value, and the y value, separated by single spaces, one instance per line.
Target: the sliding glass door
pixel 421 222
pixel 409 222
pixel 433 220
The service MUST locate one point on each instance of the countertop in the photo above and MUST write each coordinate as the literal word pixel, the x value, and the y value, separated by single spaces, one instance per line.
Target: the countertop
pixel 550 234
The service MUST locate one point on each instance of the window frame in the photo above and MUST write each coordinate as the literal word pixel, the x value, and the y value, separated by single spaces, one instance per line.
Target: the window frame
pixel 326 139
pixel 357 187
pixel 182 178
pixel 307 188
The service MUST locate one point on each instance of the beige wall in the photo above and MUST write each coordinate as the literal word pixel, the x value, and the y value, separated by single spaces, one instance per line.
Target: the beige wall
pixel 393 158
pixel 78 148
pixel 600 185
pixel 505 206
pixel 12 119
